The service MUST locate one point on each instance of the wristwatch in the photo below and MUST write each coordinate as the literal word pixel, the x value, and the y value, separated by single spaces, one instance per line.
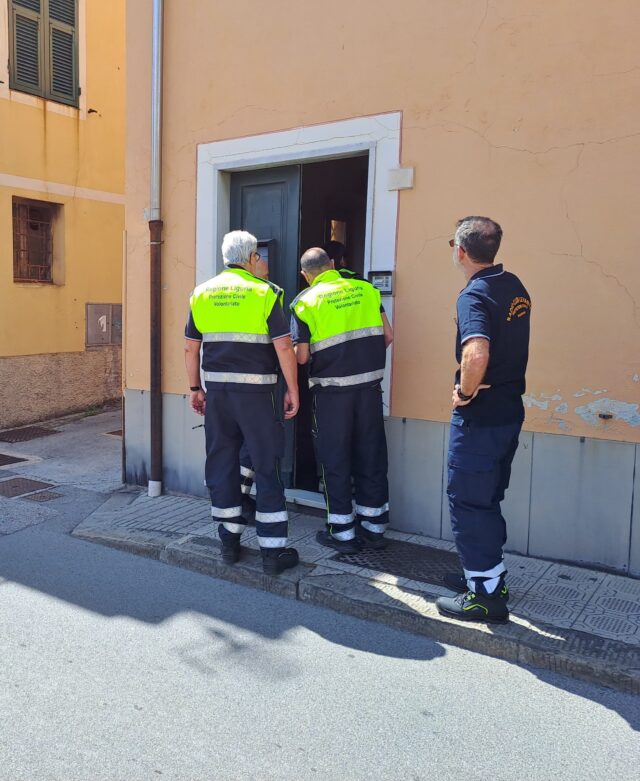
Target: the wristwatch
pixel 195 388
pixel 463 396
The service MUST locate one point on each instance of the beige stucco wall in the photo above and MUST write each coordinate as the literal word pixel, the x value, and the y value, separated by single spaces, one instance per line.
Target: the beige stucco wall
pixel 530 117
pixel 38 387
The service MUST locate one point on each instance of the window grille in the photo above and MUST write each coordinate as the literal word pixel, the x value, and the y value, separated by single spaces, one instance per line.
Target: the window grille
pixel 33 241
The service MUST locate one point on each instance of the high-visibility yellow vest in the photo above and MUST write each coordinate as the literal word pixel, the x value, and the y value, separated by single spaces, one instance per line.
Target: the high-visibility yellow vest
pixel 342 311
pixel 234 302
pixel 231 311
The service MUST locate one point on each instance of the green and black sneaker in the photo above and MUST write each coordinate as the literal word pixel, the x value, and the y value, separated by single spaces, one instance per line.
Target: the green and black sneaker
pixel 458 584
pixel 471 606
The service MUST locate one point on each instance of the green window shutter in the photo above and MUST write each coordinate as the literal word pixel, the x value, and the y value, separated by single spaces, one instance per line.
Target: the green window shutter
pixel 62 47
pixel 27 49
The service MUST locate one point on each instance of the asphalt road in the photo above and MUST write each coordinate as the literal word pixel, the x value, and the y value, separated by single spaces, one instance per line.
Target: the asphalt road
pixel 118 667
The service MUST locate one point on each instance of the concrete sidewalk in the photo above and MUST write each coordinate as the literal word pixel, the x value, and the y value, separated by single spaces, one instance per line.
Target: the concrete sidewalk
pixel 576 621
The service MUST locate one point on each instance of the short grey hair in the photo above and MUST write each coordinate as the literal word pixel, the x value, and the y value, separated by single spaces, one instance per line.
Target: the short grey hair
pixel 315 260
pixel 479 237
pixel 237 247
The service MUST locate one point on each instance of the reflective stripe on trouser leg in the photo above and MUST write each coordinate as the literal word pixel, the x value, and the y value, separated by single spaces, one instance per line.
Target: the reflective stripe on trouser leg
pixel 370 462
pixel 264 439
pixel 246 470
pixel 332 421
pixel 341 527
pixel 223 442
pixel 478 463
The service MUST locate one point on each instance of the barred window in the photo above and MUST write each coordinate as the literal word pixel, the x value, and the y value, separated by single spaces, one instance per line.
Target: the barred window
pixel 43 57
pixel 33 224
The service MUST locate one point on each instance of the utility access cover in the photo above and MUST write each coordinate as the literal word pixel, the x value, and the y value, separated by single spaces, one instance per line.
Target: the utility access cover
pixel 25 434
pixel 43 496
pixel 406 560
pixel 5 460
pixel 17 486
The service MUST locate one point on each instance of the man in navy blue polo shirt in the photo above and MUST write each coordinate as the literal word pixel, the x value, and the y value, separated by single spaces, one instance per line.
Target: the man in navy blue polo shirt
pixel 492 348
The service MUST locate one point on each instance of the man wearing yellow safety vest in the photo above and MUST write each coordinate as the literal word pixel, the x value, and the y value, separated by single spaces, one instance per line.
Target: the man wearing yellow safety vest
pixel 339 325
pixel 238 320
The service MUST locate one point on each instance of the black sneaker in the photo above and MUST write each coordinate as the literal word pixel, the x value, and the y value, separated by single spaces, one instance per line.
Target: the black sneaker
pixel 277 560
pixel 370 539
pixel 231 553
pixel 342 546
pixel 471 606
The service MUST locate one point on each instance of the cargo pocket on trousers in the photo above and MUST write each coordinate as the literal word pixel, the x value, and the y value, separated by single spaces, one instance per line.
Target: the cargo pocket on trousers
pixel 471 478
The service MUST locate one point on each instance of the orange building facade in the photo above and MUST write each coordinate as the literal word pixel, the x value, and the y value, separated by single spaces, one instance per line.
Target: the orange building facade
pixel 384 124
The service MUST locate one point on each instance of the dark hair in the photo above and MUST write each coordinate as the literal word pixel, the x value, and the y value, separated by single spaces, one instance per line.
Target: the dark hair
pixel 335 250
pixel 479 237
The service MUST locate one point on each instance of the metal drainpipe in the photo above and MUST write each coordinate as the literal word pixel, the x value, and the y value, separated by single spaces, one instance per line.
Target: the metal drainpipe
pixel 155 257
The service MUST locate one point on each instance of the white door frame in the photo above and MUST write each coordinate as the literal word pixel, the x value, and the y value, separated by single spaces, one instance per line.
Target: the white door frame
pixel 379 135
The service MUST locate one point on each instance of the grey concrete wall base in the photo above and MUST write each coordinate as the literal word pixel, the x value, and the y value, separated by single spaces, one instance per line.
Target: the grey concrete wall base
pixel 571 499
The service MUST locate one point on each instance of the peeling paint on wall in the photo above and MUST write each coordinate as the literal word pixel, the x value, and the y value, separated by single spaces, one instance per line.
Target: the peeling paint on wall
pixel 584 392
pixel 563 408
pixel 531 401
pixel 621 410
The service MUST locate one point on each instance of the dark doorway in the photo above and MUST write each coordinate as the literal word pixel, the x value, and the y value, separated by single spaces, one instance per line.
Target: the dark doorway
pixel 289 209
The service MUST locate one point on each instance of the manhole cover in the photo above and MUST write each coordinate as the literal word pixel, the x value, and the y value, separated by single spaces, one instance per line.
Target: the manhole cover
pixel 43 496
pixel 25 434
pixel 16 486
pixel 117 433
pixel 406 560
pixel 5 459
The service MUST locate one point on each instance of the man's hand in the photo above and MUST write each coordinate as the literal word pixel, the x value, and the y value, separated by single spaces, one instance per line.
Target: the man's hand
pixel 456 401
pixel 198 401
pixel 291 404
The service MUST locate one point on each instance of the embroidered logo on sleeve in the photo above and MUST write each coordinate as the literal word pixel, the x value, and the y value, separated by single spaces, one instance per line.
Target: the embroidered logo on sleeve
pixel 520 306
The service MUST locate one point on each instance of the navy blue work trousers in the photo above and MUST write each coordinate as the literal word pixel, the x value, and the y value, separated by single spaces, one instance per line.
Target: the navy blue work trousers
pixel 479 469
pixel 349 438
pixel 231 418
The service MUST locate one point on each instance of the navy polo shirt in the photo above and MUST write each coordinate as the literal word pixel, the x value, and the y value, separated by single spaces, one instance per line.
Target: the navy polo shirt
pixel 496 306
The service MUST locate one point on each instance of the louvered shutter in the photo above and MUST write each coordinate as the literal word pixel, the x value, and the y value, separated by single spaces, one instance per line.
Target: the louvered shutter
pixel 27 46
pixel 62 76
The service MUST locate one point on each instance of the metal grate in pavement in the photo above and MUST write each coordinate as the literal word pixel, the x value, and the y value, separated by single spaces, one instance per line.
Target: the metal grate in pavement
pixel 25 434
pixel 406 560
pixel 17 486
pixel 43 496
pixel 117 433
pixel 5 459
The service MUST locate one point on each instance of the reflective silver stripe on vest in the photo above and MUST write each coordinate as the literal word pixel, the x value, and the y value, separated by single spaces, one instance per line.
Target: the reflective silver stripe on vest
pixel 250 379
pixel 236 337
pixel 347 336
pixel 246 472
pixel 352 379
